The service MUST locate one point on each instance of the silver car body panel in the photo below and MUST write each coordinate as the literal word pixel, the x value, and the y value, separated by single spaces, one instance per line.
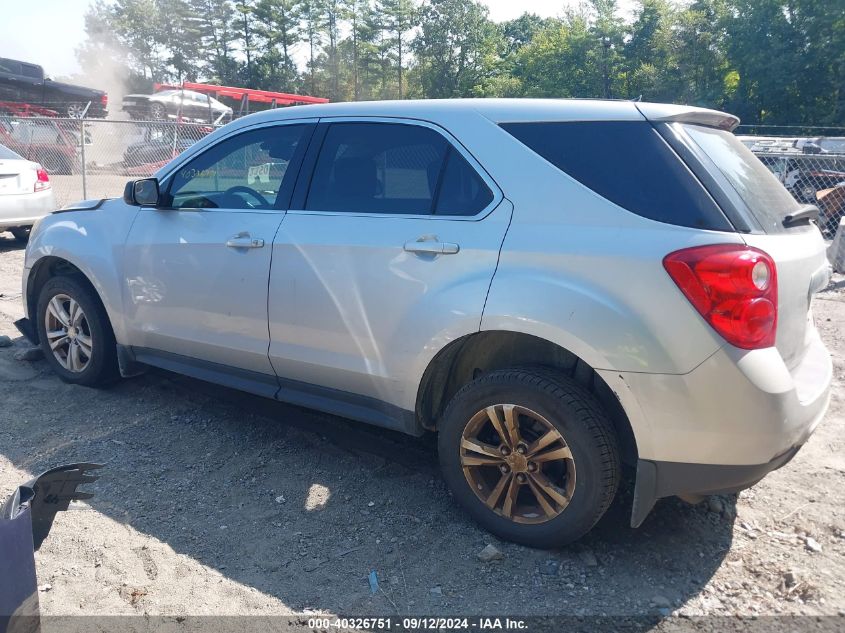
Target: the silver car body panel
pixel 346 308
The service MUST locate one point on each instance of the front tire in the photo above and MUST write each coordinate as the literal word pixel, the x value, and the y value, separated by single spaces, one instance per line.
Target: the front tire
pixel 75 333
pixel 531 455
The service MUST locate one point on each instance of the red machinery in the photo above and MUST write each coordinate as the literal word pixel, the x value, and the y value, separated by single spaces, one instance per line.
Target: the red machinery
pixel 245 95
pixel 11 108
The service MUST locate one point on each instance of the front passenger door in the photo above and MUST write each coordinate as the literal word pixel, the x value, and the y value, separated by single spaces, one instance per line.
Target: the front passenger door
pixel 196 274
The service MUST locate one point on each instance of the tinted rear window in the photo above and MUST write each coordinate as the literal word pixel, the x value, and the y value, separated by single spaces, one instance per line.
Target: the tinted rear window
pixel 628 163
pixel 766 198
pixel 28 70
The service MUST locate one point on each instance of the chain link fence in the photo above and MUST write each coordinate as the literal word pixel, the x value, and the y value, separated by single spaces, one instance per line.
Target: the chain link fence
pixel 817 179
pixel 93 158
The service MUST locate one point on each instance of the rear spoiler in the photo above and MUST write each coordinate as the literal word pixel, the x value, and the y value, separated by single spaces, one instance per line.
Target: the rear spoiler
pixel 665 113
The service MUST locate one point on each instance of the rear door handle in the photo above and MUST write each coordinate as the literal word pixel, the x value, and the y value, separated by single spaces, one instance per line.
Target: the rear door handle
pixel 432 248
pixel 244 240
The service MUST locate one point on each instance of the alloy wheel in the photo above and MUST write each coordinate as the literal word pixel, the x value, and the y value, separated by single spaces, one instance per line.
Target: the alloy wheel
pixel 517 463
pixel 68 333
pixel 75 110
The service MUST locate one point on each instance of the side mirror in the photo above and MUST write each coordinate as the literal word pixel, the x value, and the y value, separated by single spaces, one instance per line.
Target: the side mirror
pixel 142 193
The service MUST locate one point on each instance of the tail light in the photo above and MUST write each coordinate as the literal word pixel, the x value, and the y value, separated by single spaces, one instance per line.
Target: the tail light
pixel 104 100
pixel 734 287
pixel 42 180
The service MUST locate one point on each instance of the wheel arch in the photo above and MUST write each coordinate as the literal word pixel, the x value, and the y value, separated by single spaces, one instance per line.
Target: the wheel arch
pixel 472 355
pixel 47 268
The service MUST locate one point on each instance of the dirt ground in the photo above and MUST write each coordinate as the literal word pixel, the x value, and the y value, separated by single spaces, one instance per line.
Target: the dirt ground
pixel 217 502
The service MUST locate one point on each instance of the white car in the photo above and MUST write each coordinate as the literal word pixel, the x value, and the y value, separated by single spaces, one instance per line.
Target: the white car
pixel 26 195
pixel 556 288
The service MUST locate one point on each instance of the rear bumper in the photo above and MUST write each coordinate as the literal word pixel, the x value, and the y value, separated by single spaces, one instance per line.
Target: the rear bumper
pixel 723 426
pixel 656 480
pixel 24 209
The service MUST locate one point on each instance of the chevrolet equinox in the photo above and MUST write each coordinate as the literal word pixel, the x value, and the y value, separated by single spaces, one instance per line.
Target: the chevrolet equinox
pixel 555 287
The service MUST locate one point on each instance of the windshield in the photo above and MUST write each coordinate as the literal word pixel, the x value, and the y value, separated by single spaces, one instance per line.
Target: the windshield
pixel 759 189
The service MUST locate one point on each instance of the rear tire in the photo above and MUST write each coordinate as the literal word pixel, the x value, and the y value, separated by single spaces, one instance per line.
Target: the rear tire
pixel 75 333
pixel 75 110
pixel 21 233
pixel 555 501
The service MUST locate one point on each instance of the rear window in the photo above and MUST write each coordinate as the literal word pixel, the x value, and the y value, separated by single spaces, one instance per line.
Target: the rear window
pixel 28 70
pixel 766 198
pixel 628 163
pixel 7 154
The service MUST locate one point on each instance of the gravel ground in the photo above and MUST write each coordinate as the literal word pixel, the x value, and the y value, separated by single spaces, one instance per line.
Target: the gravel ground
pixel 217 502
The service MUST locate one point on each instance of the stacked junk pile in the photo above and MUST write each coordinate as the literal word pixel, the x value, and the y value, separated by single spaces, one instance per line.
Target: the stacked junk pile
pixel 92 156
pixel 813 170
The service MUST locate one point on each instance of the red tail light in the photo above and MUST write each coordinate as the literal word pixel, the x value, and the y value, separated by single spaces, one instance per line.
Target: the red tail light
pixel 104 100
pixel 734 287
pixel 42 180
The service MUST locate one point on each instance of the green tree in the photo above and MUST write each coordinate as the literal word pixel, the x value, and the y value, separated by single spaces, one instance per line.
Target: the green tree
pixel 215 53
pixel 456 48
pixel 312 16
pixel 520 31
pixel 400 16
pixel 648 56
pixel 244 29
pixel 279 26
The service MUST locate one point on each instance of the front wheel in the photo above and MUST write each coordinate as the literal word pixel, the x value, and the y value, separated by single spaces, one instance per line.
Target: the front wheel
pixel 75 333
pixel 531 455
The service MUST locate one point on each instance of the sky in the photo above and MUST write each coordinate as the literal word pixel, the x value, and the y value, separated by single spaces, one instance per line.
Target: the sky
pixel 47 32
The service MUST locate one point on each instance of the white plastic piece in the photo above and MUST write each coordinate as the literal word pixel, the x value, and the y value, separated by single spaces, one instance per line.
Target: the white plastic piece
pixel 836 250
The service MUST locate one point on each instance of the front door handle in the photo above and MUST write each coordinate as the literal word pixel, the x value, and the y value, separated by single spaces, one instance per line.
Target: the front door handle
pixel 431 247
pixel 244 240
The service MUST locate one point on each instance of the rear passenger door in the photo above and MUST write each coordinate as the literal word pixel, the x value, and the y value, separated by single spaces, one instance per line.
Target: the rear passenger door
pixel 387 251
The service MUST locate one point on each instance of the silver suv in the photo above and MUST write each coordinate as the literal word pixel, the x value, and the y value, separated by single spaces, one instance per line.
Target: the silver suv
pixel 557 288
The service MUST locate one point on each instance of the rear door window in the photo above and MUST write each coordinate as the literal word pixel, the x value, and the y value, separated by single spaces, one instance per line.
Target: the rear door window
pixel 462 191
pixel 393 168
pixel 377 168
pixel 31 71
pixel 628 163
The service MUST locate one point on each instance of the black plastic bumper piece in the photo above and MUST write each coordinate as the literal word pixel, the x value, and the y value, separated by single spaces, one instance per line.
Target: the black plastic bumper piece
pixel 26 327
pixel 25 521
pixel 656 480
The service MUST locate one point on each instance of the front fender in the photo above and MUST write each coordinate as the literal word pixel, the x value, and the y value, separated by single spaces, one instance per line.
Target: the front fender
pixel 92 241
